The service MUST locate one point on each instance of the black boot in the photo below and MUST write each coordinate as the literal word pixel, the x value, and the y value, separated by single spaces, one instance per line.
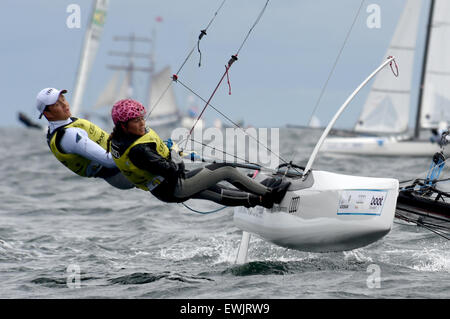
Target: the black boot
pixel 275 196
pixel 277 193
pixel 266 201
pixel 272 181
pixel 253 200
pixel 256 200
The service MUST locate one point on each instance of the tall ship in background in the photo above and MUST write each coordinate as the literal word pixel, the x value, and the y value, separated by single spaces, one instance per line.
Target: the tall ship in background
pixel 160 99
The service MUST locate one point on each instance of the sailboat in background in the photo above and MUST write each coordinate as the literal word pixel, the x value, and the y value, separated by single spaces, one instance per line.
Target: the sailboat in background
pixel 88 52
pixel 386 110
pixel 160 97
pixel 25 120
pixel 116 89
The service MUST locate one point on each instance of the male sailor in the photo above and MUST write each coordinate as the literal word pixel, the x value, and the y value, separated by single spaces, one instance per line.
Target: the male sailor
pixel 146 160
pixel 77 143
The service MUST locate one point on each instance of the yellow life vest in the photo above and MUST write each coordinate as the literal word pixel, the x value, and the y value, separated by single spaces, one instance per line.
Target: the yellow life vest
pixel 139 177
pixel 75 162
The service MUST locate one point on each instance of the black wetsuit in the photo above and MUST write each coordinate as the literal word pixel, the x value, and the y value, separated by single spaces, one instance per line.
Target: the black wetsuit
pixel 203 183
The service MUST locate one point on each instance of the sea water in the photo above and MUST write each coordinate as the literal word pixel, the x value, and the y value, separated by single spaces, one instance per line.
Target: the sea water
pixel 63 236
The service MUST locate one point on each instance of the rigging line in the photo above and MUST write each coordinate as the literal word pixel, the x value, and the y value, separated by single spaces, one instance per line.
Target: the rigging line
pixel 210 98
pixel 202 33
pixel 436 232
pixel 412 223
pixel 322 92
pixel 424 226
pixel 227 67
pixel 443 180
pixel 435 222
pixel 426 183
pixel 217 110
pixel 420 225
pixel 159 100
pixel 424 173
pixel 204 213
pixel 336 61
pixel 439 192
pixel 236 157
pixel 253 26
pixel 223 152
pixel 231 121
pixel 215 14
pixel 423 188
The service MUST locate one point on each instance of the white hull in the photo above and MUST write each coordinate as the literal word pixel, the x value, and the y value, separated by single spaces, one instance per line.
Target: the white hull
pixel 327 212
pixel 382 146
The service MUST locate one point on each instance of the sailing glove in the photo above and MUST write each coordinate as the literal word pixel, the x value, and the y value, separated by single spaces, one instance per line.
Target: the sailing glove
pixel 176 158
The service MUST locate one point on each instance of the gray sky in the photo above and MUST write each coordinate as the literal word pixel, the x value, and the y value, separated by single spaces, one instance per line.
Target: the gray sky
pixel 276 81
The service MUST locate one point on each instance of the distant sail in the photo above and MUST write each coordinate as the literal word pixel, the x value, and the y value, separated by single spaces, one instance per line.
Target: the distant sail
pixel 163 103
pixel 89 51
pixel 315 122
pixel 107 96
pixel 387 107
pixel 125 90
pixel 436 96
pixel 113 92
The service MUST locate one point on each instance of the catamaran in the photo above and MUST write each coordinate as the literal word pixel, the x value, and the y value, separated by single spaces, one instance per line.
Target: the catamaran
pixel 426 201
pixel 323 211
pixel 384 118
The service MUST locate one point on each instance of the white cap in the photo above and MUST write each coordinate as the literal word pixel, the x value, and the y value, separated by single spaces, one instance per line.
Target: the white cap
pixel 47 96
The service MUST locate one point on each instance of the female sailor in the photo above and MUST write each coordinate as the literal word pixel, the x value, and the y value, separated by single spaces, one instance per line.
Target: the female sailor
pixel 145 159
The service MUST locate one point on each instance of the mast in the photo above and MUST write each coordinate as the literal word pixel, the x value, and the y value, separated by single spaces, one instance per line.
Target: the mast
pixel 152 65
pixel 424 67
pixel 88 52
pixel 131 54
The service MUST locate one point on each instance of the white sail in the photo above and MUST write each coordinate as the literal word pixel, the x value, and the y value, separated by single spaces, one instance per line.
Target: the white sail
pixel 108 95
pixel 114 91
pixel 89 51
pixel 436 96
pixel 125 91
pixel 387 107
pixel 315 122
pixel 162 103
